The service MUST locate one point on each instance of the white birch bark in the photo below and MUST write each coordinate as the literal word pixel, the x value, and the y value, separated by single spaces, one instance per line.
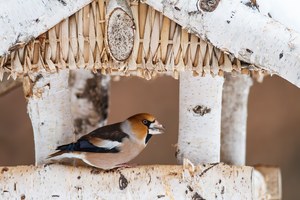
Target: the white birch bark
pixel 89 100
pixel 234 119
pixel 277 51
pixel 61 101
pixel 49 108
pixel 217 181
pixel 21 21
pixel 200 103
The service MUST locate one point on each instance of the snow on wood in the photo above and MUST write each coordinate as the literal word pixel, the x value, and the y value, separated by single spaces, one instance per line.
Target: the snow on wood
pixel 249 36
pixel 211 181
pixel 89 100
pixel 234 119
pixel 119 30
pixel 22 21
pixel 49 108
pixel 200 103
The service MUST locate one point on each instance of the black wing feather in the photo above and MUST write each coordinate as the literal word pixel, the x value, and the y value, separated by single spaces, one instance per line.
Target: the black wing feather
pixel 104 133
pixel 111 132
pixel 85 146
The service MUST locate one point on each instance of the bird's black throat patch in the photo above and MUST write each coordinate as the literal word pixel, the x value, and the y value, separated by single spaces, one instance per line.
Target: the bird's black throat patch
pixel 148 138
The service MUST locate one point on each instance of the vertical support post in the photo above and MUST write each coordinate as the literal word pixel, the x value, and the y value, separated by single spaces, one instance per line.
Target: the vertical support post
pixel 200 102
pixel 62 101
pixel 234 118
pixel 49 108
pixel 89 100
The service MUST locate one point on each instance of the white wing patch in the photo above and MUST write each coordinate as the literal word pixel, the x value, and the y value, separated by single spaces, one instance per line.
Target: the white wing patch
pixel 107 144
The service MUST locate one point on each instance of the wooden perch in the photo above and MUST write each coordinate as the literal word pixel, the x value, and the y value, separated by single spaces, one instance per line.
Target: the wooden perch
pixel 37 18
pixel 234 118
pixel 211 181
pixel 249 36
pixel 200 103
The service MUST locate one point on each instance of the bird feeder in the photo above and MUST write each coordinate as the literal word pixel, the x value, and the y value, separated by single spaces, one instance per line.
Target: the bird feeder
pixel 65 63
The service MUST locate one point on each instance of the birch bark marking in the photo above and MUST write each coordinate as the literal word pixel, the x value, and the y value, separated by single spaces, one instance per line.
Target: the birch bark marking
pixel 49 108
pixel 89 100
pixel 200 101
pixel 208 5
pixel 217 181
pixel 119 34
pixel 234 119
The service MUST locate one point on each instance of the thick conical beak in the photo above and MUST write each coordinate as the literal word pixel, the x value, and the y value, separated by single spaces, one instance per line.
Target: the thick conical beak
pixel 156 128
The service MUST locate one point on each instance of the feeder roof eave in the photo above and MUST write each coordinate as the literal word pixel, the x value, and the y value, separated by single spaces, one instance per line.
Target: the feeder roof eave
pixel 276 52
pixel 22 21
pixel 250 36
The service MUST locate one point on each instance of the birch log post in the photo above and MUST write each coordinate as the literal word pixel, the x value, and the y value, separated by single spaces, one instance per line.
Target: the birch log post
pixel 89 100
pixel 277 51
pixel 200 102
pixel 234 118
pixel 49 108
pixel 215 181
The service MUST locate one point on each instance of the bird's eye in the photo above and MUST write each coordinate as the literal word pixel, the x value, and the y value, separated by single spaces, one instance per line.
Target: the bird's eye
pixel 145 121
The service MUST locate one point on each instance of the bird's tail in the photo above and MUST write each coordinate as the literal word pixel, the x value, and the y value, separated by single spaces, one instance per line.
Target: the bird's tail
pixel 56 154
pixel 67 147
pixel 64 150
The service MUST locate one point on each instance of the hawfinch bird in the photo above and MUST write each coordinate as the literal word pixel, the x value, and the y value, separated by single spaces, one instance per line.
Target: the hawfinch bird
pixel 113 145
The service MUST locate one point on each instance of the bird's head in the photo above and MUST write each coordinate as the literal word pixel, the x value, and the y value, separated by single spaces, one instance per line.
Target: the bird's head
pixel 145 125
